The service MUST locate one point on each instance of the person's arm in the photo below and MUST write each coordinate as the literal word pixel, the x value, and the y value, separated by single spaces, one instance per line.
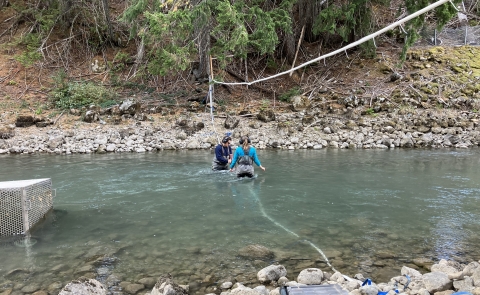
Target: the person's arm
pixel 253 153
pixel 235 157
pixel 219 155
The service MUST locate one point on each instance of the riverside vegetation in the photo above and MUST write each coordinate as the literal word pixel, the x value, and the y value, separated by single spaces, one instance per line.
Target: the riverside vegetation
pixel 433 103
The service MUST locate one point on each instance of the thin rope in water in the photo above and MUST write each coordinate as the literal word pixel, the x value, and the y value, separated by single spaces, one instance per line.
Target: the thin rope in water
pixel 291 232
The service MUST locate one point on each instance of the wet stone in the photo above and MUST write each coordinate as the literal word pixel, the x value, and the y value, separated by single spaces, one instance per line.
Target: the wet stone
pixel 134 288
pixel 54 287
pixel 148 282
pixel 84 269
pixel 17 274
pixel 59 267
pixel 30 288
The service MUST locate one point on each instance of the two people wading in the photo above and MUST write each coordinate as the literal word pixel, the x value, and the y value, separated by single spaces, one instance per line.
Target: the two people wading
pixel 245 155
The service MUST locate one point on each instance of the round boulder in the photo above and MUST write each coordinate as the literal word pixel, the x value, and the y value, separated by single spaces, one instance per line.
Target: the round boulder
pixel 310 276
pixel 271 273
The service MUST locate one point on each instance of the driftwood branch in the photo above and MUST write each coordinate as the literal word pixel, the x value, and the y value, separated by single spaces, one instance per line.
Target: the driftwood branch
pixel 316 122
pixel 298 48
pixel 23 93
pixel 416 91
pixel 244 115
pixel 439 97
pixel 54 122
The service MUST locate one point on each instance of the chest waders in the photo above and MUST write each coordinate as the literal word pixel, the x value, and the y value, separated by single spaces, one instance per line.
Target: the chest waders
pixel 217 165
pixel 245 165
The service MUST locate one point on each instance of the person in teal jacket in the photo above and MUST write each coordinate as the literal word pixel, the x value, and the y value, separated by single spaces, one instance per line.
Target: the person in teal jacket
pixel 245 155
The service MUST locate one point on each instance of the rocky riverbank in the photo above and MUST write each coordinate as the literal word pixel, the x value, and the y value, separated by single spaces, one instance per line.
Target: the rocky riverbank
pixel 431 101
pixel 303 128
pixel 442 278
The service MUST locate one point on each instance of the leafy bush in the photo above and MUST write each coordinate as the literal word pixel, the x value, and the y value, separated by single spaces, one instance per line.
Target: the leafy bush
pixel 67 95
pixel 290 93
pixel 31 54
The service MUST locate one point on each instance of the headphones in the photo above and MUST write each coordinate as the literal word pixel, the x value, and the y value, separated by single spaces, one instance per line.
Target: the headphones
pixel 243 139
pixel 226 139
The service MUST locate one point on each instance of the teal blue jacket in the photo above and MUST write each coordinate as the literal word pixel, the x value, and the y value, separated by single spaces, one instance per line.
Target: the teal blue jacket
pixel 239 153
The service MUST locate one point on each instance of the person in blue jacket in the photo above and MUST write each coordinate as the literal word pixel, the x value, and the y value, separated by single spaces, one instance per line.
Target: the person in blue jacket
pixel 245 155
pixel 223 155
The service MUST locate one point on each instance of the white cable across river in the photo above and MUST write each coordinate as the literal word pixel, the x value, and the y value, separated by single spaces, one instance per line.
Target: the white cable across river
pixel 351 45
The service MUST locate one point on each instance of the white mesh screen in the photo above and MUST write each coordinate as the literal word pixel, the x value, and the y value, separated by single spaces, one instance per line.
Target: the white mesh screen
pixel 23 203
pixel 11 217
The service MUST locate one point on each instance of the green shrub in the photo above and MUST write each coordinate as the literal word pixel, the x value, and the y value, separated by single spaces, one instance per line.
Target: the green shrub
pixel 67 95
pixel 290 93
pixel 31 54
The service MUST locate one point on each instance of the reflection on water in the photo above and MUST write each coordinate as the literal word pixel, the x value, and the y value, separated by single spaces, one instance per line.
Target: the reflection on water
pixel 142 215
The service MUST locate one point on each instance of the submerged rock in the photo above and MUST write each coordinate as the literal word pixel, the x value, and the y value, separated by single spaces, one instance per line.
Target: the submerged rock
pixel 166 286
pixel 256 252
pixel 83 286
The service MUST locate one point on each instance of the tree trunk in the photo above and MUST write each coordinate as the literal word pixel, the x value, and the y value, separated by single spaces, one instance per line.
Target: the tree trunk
pixel 106 11
pixel 289 38
pixel 289 46
pixel 3 3
pixel 66 12
pixel 202 35
pixel 304 14
pixel 140 56
pixel 308 10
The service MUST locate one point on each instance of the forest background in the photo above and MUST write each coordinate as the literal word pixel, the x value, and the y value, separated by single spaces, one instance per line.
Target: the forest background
pixel 59 55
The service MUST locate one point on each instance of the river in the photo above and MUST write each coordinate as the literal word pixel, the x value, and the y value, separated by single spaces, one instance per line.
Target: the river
pixel 367 211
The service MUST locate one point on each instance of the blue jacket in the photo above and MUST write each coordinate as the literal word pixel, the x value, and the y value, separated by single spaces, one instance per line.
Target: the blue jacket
pixel 239 153
pixel 222 154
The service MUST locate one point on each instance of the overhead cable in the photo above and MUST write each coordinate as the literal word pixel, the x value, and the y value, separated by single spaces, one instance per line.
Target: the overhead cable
pixel 343 49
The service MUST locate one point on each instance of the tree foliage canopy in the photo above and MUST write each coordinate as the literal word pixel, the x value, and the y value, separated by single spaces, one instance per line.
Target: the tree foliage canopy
pixel 235 28
pixel 442 13
pixel 178 32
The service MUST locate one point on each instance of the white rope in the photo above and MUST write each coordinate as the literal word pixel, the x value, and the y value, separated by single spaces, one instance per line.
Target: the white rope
pixel 210 94
pixel 210 90
pixel 363 40
pixel 291 232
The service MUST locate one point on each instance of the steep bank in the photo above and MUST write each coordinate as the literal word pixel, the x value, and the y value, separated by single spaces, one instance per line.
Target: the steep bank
pixel 431 101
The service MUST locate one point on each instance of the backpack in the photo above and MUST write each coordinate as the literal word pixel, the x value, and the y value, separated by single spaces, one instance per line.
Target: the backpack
pixel 245 159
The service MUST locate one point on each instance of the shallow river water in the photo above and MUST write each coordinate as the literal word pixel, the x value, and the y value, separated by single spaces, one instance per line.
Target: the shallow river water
pixel 368 211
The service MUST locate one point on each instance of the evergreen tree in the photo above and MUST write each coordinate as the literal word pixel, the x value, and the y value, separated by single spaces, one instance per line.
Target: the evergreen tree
pixel 177 33
pixel 222 28
pixel 350 20
pixel 442 14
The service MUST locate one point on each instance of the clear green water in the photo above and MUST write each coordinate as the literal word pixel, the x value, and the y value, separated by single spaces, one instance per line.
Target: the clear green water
pixel 370 212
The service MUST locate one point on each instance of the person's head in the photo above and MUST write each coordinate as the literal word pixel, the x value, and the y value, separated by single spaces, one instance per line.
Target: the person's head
pixel 245 142
pixel 226 140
